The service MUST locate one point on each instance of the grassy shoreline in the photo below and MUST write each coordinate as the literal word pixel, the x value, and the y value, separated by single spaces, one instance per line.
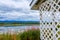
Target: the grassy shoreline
pixel 17 24
pixel 33 34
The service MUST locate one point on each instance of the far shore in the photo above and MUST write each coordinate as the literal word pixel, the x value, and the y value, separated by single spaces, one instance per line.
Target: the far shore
pixel 18 24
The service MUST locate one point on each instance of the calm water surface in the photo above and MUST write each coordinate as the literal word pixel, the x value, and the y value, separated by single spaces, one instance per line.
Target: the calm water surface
pixel 16 28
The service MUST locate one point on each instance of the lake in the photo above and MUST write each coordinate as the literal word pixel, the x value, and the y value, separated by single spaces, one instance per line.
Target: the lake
pixel 4 29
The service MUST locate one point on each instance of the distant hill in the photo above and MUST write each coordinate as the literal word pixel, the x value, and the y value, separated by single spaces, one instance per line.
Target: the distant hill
pixel 20 22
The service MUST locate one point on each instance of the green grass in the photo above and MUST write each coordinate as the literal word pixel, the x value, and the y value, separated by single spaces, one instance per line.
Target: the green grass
pixel 30 34
pixel 17 24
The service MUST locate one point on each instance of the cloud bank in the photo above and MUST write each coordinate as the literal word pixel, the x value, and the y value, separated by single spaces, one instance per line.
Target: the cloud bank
pixel 17 10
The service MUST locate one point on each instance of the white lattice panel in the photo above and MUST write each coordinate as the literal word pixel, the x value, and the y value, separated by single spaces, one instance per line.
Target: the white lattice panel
pixel 50 20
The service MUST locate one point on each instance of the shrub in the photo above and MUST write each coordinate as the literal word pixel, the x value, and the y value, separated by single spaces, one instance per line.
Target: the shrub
pixel 30 35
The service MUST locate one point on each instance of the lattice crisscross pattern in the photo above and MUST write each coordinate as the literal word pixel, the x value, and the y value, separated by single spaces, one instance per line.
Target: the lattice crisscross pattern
pixel 50 20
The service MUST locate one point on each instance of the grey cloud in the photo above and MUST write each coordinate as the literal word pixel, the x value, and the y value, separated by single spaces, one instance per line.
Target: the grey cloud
pixel 5 9
pixel 16 0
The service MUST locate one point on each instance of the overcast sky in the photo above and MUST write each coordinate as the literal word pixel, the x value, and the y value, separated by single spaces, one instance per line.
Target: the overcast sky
pixel 17 10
